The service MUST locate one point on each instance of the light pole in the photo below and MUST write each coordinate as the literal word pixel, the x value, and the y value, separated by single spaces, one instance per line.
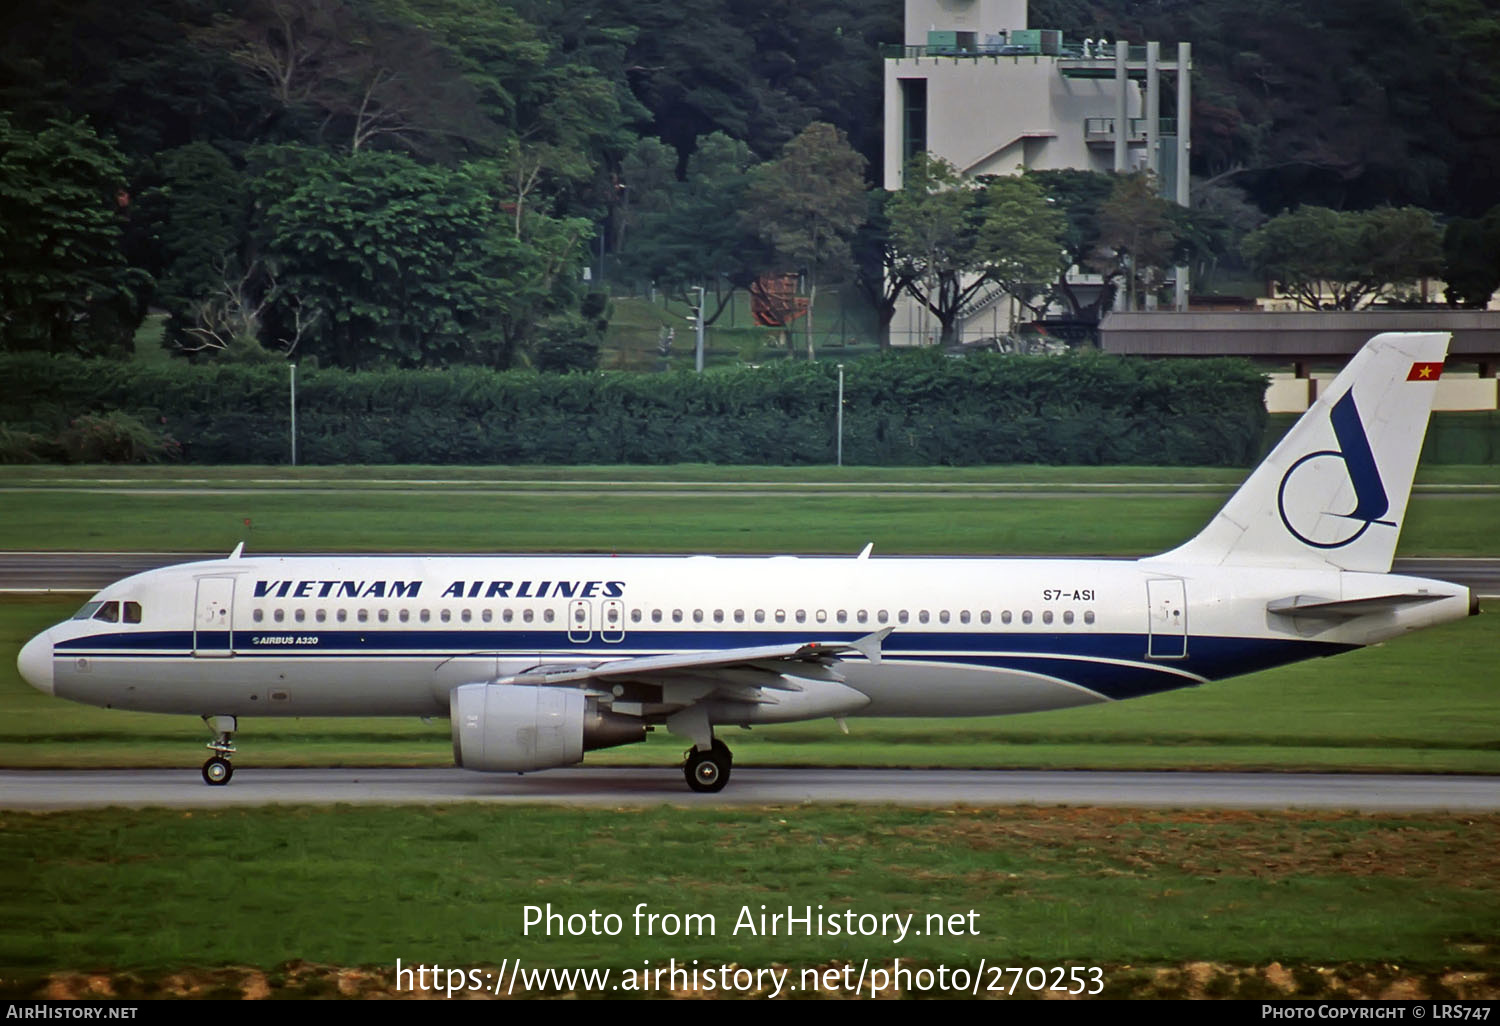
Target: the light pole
pixel 841 417
pixel 293 366
pixel 698 321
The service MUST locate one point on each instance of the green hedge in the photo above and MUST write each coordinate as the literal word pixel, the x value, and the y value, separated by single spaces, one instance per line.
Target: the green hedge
pixel 1454 437
pixel 900 409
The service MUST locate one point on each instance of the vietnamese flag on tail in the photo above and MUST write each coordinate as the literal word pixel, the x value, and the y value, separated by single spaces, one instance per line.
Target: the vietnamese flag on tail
pixel 1425 371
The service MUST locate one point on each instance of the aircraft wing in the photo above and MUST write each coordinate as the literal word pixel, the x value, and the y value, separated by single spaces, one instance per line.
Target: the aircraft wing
pixel 784 658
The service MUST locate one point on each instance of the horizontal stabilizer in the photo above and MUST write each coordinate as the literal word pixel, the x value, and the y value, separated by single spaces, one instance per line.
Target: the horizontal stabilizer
pixel 1346 609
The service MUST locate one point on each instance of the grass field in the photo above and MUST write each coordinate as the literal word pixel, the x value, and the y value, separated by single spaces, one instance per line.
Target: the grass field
pixel 1021 511
pixel 1413 898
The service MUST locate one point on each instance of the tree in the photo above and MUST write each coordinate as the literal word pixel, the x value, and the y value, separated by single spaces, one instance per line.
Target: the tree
pixel 1137 235
pixel 1079 195
pixel 680 234
pixel 362 74
pixel 807 205
pixel 1328 260
pixel 64 282
pixel 1471 259
pixel 881 273
pixel 965 239
pixel 1020 237
pixel 407 263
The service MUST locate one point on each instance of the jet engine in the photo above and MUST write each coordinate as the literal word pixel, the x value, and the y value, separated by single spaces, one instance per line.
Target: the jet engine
pixel 519 727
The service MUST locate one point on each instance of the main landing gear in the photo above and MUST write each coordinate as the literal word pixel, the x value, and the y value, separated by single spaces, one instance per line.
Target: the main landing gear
pixel 706 765
pixel 708 771
pixel 217 770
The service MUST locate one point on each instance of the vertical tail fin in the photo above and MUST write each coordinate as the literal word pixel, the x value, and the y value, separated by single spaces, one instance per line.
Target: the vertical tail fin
pixel 1333 492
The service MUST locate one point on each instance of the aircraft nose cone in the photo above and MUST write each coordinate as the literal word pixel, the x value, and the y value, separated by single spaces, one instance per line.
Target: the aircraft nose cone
pixel 35 662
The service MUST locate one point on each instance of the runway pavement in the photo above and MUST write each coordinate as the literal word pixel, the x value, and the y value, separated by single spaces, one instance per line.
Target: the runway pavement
pixel 626 786
pixel 89 571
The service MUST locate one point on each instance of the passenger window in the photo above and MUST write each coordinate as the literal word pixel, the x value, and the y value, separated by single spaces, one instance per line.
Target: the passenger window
pixel 676 616
pixel 1046 616
pixel 404 616
pixel 467 615
pixel 760 616
pixel 781 616
pixel 363 616
pixel 343 614
pixel 739 616
pixel 697 616
pixel 1026 616
pixel 258 615
pixel 842 616
pixel 321 615
pixel 507 615
pixel 1088 616
pixel 132 612
pixel 984 616
pixel 445 615
pixel 579 615
pixel 528 615
pixel 801 616
pixel 943 616
pixel 902 616
pixel 718 616
pixel 880 617
pixel 487 615
pixel 822 616
pixel 635 616
pixel 1068 616
pixel 963 616
pixel 1005 616
pixel 656 616
pixel 861 616
pixel 922 616
pixel 425 616
pixel 278 615
pixel 299 615
pixel 548 615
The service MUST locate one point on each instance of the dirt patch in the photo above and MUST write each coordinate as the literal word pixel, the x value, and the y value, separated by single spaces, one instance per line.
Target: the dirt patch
pixel 1190 980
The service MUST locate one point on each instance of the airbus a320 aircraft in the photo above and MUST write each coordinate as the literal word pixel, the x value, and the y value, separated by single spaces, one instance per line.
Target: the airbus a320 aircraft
pixel 538 659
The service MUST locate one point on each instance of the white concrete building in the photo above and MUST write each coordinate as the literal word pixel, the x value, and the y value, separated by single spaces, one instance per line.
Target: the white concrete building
pixel 974 85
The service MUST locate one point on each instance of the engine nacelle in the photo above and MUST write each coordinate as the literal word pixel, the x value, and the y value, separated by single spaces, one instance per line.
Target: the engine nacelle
pixel 519 727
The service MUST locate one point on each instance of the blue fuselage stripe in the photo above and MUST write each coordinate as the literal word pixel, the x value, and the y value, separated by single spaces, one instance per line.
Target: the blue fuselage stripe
pixel 1115 665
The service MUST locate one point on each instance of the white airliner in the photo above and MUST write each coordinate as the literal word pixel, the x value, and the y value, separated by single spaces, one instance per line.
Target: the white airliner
pixel 537 659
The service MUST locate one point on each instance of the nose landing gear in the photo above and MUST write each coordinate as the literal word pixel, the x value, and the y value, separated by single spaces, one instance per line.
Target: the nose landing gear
pixel 217 770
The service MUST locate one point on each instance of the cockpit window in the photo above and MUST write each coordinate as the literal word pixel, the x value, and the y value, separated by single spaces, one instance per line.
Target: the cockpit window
pixel 109 612
pixel 88 611
pixel 132 612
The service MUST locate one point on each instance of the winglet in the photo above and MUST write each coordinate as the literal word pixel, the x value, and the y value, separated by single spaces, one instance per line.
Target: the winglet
pixel 869 645
pixel 237 550
pixel 864 553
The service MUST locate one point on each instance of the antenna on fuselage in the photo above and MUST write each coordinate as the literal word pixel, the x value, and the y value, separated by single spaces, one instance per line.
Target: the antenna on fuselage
pixel 864 553
pixel 238 549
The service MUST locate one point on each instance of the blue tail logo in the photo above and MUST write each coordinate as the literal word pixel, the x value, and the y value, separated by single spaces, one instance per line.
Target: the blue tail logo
pixel 1370 501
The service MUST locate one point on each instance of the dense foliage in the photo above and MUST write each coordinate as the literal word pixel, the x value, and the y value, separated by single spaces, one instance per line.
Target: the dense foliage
pixel 901 409
pixel 423 182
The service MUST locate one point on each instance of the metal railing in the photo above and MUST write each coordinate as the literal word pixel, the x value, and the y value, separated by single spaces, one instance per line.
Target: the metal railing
pixel 1068 51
